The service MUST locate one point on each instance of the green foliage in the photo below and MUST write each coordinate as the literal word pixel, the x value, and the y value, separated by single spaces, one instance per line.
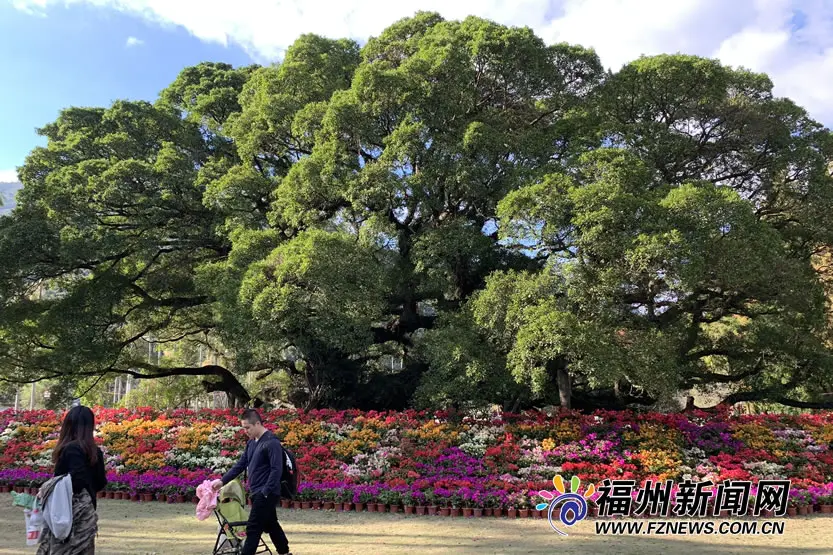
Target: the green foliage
pixel 464 368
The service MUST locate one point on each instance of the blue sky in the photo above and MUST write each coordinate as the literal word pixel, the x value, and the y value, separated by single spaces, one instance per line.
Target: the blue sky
pixel 55 56
pixel 78 56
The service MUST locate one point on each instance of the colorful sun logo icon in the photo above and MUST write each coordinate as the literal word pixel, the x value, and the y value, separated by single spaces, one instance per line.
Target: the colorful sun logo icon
pixel 573 504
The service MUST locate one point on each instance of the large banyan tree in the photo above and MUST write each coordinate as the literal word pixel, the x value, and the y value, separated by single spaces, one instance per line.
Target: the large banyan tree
pixel 454 213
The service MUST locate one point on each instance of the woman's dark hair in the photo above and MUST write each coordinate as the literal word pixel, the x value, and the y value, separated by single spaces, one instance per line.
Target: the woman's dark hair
pixel 77 429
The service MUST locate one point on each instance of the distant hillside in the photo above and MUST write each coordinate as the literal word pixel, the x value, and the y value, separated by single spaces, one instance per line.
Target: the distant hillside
pixel 8 192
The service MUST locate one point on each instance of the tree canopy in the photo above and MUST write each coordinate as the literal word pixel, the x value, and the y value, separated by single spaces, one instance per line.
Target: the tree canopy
pixel 454 213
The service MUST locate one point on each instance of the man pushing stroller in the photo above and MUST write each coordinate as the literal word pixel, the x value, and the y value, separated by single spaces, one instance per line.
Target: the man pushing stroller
pixel 263 460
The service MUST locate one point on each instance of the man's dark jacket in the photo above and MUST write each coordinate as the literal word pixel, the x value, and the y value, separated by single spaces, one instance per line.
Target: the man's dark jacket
pixel 263 459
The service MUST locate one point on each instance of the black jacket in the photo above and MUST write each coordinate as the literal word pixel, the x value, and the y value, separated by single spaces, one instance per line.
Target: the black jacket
pixel 73 461
pixel 263 459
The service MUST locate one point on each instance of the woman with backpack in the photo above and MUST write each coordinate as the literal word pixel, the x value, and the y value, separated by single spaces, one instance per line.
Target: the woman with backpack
pixel 77 455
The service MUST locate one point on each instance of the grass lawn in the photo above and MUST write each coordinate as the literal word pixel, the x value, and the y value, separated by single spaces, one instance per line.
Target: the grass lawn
pixel 160 529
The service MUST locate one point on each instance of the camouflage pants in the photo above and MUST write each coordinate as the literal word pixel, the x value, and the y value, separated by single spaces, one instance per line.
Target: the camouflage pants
pixel 81 540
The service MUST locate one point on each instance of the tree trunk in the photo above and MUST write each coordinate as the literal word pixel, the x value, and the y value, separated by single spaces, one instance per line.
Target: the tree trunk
pixel 565 392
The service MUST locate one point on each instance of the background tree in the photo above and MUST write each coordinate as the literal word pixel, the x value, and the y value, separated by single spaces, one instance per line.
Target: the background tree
pixel 454 213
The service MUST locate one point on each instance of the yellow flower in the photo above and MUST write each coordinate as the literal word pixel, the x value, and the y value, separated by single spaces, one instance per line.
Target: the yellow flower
pixel 755 436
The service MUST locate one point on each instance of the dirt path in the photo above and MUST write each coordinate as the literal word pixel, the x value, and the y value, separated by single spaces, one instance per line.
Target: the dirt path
pixel 155 528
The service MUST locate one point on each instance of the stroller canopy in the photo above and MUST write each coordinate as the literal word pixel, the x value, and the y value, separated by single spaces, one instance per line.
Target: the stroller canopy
pixel 233 491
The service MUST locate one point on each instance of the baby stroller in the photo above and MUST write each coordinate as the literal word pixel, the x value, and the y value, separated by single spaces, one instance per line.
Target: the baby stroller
pixel 232 516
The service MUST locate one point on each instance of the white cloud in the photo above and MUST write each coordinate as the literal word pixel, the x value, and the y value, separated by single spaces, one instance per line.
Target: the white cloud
pixel 757 34
pixel 8 176
pixel 133 41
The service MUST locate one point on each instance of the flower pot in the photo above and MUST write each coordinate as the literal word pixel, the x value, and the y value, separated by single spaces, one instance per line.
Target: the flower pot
pixel 371 507
pixel 512 513
pixel 134 497
pixel 792 511
pixel 445 511
pixel 162 497
pixel 380 507
pixel 409 509
pixel 488 511
pixel 477 512
pixel 328 505
pixel 296 504
pixel 803 510
pixel 497 511
pixel 359 507
pixel 827 509
pixel 432 510
pixel 316 505
pixel 394 508
pixel 306 505
pixel 100 494
pixel 146 497
pixel 111 495
pixel 195 500
pixel 180 499
pixel 467 512
pixel 285 503
pixel 347 507
pixel 119 496
pixel 523 513
pixel 4 489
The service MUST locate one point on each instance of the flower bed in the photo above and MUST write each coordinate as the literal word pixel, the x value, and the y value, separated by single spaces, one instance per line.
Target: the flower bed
pixel 408 459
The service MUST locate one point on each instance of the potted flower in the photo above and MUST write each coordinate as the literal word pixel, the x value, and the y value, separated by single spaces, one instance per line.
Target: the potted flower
pixel 173 492
pixel 487 502
pixel 144 490
pixel 314 494
pixel 477 503
pixel 512 505
pixel 162 491
pixel 431 502
pixel 443 501
pixel 825 500
pixel 345 497
pixel 191 493
pixel 327 496
pixel 364 496
pixel 393 500
pixel 180 491
pixel 456 502
pixel 796 502
pixel 420 501
pixel 407 497
pixel 467 501
pixel 379 502
pixel 305 497
pixel 522 502
pixel 497 500
pixel 122 490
